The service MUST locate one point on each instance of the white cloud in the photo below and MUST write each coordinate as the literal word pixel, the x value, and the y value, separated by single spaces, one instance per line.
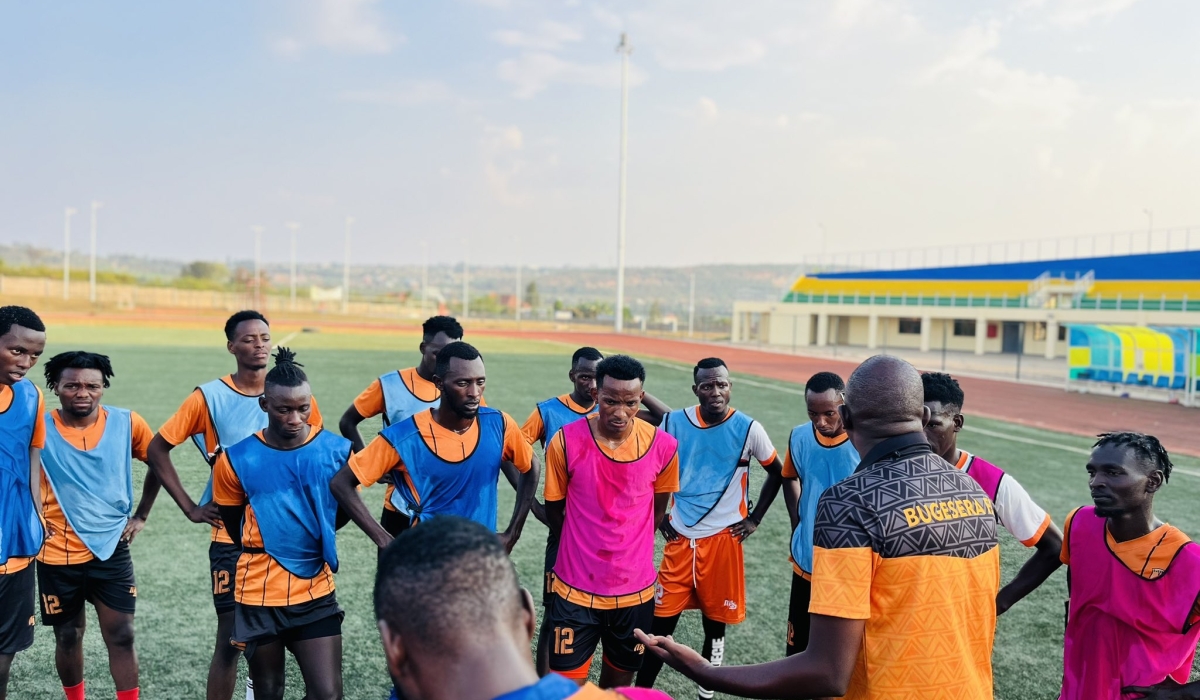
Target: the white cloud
pixel 707 109
pixel 547 36
pixel 352 26
pixel 690 46
pixel 534 71
pixel 1018 98
pixel 415 93
pixel 501 146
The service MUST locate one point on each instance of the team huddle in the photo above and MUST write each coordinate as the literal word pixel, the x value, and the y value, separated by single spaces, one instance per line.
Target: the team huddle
pixel 895 564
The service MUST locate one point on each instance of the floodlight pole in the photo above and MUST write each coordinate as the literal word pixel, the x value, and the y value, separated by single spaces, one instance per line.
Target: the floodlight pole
pixel 70 211
pixel 292 226
pixel 258 231
pixel 624 48
pixel 346 270
pixel 92 265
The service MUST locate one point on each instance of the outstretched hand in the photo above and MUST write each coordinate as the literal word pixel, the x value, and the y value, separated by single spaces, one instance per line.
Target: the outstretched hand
pixel 678 656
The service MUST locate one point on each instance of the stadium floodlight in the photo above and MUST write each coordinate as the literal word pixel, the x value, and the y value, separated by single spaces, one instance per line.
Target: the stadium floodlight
pixel 67 214
pixel 624 48
pixel 293 226
pixel 258 232
pixel 346 270
pixel 92 265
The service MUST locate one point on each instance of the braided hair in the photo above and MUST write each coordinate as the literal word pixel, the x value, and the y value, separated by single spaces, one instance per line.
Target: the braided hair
pixel 77 359
pixel 286 372
pixel 1145 446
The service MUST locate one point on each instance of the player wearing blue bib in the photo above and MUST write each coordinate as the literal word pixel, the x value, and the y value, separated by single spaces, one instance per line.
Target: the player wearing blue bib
pixel 702 566
pixel 22 434
pixel 819 455
pixel 272 490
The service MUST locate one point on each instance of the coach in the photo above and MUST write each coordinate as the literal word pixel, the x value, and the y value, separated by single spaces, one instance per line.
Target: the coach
pixel 905 568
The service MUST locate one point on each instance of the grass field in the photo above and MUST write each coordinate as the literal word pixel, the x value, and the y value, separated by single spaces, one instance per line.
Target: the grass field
pixel 156 368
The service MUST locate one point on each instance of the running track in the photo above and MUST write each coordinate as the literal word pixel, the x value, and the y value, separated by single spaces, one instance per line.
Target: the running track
pixel 1035 406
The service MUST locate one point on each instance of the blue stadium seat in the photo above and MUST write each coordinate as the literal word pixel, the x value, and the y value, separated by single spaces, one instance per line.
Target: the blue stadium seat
pixel 1179 383
pixel 1132 378
pixel 1163 382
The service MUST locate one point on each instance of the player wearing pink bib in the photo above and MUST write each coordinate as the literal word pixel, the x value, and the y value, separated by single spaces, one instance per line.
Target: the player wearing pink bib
pixel 608 483
pixel 1134 582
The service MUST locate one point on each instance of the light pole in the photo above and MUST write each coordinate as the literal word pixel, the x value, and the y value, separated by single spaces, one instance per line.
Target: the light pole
pixel 92 265
pixel 424 276
pixel 258 231
pixel 346 270
pixel 70 211
pixel 466 293
pixel 624 48
pixel 293 226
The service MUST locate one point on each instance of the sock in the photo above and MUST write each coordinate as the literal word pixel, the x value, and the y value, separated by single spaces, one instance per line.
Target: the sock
pixel 74 692
pixel 249 688
pixel 715 658
pixel 131 694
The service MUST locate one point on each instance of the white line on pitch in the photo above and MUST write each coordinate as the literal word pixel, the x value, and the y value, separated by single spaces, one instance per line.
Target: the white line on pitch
pixel 286 338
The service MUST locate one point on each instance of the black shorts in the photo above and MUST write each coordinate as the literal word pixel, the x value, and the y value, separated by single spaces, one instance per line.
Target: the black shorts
pixel 798 618
pixel 394 522
pixel 222 564
pixel 577 630
pixel 66 587
pixel 548 580
pixel 16 600
pixel 255 625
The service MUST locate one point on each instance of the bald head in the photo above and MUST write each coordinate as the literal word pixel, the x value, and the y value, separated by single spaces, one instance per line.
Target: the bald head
pixel 884 398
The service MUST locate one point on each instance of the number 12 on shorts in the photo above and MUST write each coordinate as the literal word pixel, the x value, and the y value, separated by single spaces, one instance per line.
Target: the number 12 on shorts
pixel 220 582
pixel 564 639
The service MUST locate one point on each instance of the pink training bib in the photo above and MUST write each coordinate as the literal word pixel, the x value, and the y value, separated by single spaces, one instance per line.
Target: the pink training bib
pixel 607 543
pixel 1122 629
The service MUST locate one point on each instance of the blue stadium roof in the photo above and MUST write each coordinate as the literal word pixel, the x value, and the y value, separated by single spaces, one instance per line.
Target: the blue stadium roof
pixel 1150 266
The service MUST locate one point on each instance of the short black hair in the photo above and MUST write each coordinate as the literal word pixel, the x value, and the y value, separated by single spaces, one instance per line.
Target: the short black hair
pixel 943 388
pixel 622 367
pixel 707 363
pixel 457 349
pixel 19 316
pixel 77 359
pixel 585 353
pixel 1145 446
pixel 441 324
pixel 241 317
pixel 443 579
pixel 822 382
pixel 286 372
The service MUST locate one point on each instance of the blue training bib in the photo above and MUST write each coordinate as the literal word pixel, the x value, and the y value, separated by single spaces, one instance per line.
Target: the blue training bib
pixel 708 460
pixel 21 531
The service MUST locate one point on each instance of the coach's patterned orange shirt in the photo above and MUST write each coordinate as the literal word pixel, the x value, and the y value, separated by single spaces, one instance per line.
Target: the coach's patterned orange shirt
pixel 908 544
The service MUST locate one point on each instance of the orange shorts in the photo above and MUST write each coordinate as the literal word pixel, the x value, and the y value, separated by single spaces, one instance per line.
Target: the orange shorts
pixel 706 575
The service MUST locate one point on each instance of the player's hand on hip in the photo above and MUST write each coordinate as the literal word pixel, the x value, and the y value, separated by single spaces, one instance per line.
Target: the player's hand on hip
pixel 678 656
pixel 667 531
pixel 743 529
pixel 206 513
pixel 132 528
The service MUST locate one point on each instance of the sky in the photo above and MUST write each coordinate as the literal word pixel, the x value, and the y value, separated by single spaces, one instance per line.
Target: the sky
pixel 759 131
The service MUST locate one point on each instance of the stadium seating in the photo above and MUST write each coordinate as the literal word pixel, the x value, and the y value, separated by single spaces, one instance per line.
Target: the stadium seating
pixel 1153 357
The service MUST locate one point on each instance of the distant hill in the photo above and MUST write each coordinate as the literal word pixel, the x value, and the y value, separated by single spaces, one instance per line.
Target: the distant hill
pixel 717 286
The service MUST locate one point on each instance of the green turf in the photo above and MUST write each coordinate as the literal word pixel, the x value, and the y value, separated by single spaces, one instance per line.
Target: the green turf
pixel 175 623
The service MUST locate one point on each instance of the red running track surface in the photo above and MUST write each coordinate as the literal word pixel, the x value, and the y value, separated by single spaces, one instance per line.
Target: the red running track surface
pixel 1036 406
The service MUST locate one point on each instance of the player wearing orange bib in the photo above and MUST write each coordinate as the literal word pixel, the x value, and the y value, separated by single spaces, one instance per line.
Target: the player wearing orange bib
pixel 214 417
pixel 22 435
pixel 396 396
pixel 87 503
